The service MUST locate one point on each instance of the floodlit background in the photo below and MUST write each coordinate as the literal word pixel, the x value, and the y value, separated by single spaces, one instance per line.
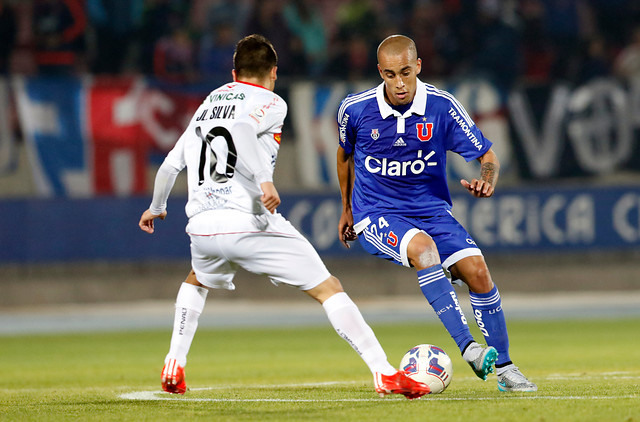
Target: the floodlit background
pixel 94 93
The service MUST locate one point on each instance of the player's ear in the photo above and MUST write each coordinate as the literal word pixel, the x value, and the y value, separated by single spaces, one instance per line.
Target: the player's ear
pixel 234 75
pixel 380 71
pixel 274 73
pixel 418 66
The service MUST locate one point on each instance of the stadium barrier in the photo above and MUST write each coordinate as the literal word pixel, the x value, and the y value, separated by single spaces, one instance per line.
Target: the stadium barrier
pixel 534 220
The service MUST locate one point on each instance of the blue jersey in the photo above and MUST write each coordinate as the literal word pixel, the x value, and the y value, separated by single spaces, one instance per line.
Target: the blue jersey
pixel 400 159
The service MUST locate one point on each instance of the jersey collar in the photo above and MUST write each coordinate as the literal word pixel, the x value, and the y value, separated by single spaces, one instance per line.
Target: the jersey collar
pixel 249 83
pixel 418 106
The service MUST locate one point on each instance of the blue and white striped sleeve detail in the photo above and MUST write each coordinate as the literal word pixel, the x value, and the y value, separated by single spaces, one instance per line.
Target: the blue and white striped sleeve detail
pixel 353 99
pixel 432 90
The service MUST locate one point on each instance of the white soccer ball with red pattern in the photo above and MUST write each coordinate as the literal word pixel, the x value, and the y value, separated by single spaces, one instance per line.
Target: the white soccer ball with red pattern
pixel 428 364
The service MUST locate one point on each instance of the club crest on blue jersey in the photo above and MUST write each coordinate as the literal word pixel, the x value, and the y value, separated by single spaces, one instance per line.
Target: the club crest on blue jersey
pixel 375 134
pixel 425 131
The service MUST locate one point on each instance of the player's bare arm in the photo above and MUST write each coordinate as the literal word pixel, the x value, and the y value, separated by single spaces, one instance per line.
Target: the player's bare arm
pixel 270 197
pixel 346 233
pixel 146 220
pixel 489 170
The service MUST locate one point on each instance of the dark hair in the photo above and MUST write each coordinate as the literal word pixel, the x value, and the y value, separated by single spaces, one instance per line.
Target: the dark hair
pixel 254 56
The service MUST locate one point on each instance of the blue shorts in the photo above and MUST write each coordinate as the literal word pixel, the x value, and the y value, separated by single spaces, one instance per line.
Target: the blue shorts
pixel 388 235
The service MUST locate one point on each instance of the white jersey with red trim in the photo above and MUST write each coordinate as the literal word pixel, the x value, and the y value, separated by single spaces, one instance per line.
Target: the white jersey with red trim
pixel 229 148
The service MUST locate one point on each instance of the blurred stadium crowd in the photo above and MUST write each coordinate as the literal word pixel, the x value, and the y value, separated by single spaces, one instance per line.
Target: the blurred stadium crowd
pixel 90 145
pixel 181 41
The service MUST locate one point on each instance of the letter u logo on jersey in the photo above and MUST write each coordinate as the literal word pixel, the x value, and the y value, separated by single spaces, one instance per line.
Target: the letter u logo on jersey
pixel 420 128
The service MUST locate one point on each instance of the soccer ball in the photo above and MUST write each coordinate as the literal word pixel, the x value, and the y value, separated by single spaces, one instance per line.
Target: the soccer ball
pixel 428 364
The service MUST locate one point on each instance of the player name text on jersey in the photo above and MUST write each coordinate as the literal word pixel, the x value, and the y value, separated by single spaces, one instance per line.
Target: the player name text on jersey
pixel 218 112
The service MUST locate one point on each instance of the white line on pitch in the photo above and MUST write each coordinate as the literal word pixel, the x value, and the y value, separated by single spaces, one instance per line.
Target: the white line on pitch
pixel 258 386
pixel 159 396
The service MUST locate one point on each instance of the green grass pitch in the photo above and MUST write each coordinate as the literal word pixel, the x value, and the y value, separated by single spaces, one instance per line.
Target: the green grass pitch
pixel 586 370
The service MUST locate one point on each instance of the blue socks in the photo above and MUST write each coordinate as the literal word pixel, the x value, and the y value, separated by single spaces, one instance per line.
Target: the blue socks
pixel 487 309
pixel 439 292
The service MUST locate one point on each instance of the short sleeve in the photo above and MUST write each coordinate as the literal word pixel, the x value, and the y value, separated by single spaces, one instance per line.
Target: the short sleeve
pixel 346 132
pixel 269 115
pixel 466 138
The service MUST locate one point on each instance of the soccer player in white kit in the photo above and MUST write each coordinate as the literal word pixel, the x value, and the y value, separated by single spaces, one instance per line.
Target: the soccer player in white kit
pixel 229 149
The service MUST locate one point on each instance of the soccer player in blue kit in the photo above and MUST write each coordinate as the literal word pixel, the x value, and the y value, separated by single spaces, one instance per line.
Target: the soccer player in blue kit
pixel 392 172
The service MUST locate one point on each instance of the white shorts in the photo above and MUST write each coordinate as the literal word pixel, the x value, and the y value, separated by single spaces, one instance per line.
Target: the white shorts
pixel 224 240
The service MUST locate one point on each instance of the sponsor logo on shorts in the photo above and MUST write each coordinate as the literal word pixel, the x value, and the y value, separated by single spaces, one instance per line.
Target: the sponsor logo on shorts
pixel 392 239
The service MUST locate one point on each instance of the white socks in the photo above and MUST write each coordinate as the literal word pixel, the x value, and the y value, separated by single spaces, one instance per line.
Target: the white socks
pixel 348 322
pixel 343 314
pixel 189 305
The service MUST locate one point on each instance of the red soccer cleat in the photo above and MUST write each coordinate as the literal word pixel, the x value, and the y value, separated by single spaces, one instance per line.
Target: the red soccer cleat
pixel 173 378
pixel 399 383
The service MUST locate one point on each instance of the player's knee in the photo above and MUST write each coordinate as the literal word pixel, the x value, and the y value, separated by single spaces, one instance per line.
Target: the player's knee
pixel 326 289
pixel 422 252
pixel 423 255
pixel 479 279
pixel 191 279
pixel 333 284
pixel 429 258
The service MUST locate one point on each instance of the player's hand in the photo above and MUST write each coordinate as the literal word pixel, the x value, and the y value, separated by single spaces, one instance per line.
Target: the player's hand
pixel 146 221
pixel 478 188
pixel 270 197
pixel 346 233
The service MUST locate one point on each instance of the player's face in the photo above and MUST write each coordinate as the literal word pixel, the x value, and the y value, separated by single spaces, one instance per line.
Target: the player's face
pixel 400 75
